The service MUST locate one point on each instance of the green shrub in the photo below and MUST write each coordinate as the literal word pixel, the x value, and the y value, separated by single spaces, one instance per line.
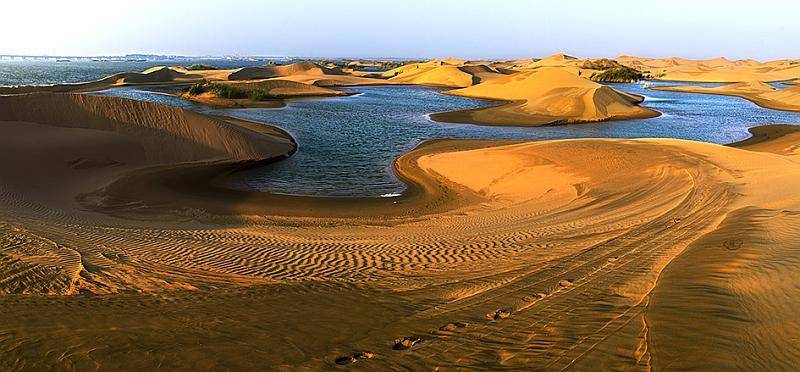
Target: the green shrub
pixel 618 75
pixel 196 88
pixel 226 91
pixel 197 67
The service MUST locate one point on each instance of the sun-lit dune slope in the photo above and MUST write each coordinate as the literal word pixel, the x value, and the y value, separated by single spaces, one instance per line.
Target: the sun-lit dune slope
pixel 546 96
pixel 155 75
pixel 762 94
pixel 265 72
pixel 719 70
pixel 303 72
pixel 450 72
pixel 166 134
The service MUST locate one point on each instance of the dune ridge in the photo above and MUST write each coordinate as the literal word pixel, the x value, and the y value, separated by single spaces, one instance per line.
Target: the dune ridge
pixel 546 96
pixel 716 70
pixel 167 134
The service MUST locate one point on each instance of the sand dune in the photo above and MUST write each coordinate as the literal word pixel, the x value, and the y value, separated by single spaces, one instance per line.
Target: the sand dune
pixel 762 94
pixel 454 73
pixel 155 75
pixel 304 72
pixel 166 134
pixel 585 253
pixel 546 96
pixel 719 70
pixel 265 72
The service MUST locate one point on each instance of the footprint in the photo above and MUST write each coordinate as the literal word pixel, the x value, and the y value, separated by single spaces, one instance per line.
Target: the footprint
pixel 452 326
pixel 733 244
pixel 350 359
pixel 406 343
pixel 534 297
pixel 499 314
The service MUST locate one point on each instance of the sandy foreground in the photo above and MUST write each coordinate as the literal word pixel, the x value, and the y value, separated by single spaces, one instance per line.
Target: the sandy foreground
pixel 120 248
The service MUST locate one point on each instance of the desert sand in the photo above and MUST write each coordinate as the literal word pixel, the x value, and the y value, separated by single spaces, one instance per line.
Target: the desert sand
pixel 762 94
pixel 122 248
pixel 546 96
pixel 717 70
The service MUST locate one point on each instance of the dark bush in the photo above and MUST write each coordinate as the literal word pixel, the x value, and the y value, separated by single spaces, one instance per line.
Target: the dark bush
pixel 618 75
pixel 198 67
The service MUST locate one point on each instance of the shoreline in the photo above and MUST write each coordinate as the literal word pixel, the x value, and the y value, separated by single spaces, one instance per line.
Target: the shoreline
pixel 487 116
pixel 752 96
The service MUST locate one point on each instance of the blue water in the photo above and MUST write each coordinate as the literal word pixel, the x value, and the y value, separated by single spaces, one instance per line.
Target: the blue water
pixel 347 144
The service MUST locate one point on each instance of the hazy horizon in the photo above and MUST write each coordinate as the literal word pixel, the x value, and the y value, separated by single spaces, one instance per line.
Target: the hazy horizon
pixel 412 29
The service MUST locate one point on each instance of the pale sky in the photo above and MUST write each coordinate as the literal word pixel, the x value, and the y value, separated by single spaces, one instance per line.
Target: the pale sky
pixel 473 29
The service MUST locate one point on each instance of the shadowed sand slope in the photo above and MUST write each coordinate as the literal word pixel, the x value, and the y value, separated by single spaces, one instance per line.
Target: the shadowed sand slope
pixel 590 254
pixel 166 134
pixel 546 96
pixel 762 94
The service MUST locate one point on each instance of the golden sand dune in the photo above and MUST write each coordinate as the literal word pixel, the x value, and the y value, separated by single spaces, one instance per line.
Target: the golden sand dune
pixel 762 94
pixel 304 72
pixel 265 72
pixel 155 75
pixel 450 72
pixel 546 96
pixel 719 70
pixel 591 253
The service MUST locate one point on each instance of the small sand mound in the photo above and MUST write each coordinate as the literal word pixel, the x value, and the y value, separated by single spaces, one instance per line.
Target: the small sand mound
pixel 441 73
pixel 265 72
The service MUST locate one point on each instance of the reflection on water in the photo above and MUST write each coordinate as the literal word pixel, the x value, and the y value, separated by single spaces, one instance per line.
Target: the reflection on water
pixel 347 144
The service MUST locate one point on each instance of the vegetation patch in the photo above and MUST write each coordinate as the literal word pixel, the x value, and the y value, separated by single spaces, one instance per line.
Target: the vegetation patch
pixel 618 75
pixel 198 67
pixel 226 91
